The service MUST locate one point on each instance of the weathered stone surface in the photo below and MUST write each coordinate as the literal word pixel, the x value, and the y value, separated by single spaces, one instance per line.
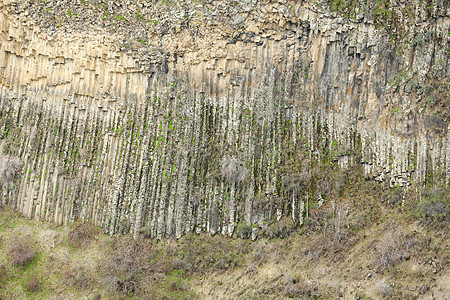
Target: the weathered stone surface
pixel 125 118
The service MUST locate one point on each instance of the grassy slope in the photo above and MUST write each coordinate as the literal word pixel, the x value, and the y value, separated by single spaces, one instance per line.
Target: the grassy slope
pixel 382 251
pixel 367 249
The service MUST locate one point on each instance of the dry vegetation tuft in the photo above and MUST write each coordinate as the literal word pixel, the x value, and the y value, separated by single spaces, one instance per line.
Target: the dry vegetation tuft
pixel 21 251
pixel 393 248
pixel 126 266
pixel 33 285
pixel 81 234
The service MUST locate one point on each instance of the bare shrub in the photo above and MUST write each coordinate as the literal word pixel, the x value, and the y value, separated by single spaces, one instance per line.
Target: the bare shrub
pixel 21 252
pixel 9 167
pixel 320 219
pixel 362 220
pixel 330 184
pixel 314 252
pixel 342 237
pixel 81 234
pixel 124 269
pixel 431 205
pixel 393 248
pixel 389 253
pixel 339 182
pixel 233 170
pixel 33 285
pixel 335 240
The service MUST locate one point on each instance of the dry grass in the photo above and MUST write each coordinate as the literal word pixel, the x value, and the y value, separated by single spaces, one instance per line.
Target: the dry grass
pixel 199 255
pixel 78 276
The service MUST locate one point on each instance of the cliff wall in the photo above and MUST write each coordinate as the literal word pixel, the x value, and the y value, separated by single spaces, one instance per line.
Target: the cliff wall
pixel 176 116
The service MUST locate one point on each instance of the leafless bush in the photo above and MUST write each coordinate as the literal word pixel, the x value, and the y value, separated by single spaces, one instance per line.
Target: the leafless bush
pixel 361 220
pixel 33 285
pixel 320 220
pixel 342 237
pixel 9 167
pixel 392 249
pixel 325 185
pixel 339 183
pixel 233 170
pixel 81 234
pixel 314 252
pixel 21 252
pixel 124 269
pixel 335 239
pixel 389 254
pixel 296 183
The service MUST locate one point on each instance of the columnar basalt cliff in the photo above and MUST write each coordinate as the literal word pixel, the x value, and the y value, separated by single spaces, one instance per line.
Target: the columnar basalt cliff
pixel 178 116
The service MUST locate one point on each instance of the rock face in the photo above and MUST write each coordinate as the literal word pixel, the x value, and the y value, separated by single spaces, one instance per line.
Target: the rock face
pixel 166 118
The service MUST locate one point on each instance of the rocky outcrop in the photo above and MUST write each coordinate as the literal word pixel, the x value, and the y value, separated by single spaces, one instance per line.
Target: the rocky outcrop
pixel 161 119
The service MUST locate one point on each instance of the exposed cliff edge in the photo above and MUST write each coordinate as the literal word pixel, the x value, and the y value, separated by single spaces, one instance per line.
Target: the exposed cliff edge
pixel 185 116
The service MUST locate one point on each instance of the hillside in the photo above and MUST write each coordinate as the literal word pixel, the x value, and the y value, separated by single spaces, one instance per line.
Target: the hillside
pixel 370 247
